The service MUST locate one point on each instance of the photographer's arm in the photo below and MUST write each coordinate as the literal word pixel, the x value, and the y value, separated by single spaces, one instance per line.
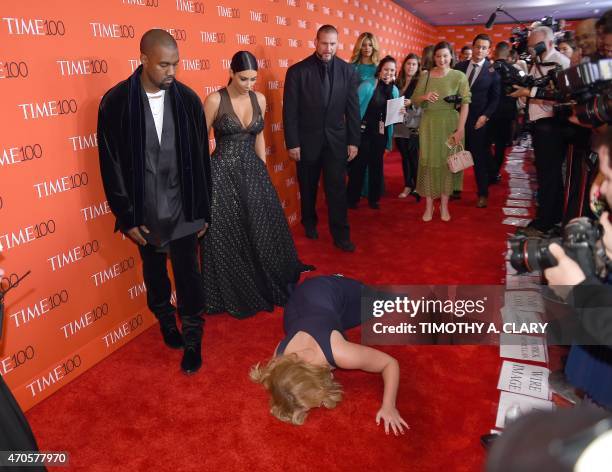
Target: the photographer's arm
pixel 355 356
pixel 537 92
pixel 591 299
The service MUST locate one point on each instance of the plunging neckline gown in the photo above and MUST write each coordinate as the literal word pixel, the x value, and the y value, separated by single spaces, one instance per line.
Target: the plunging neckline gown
pixel 248 255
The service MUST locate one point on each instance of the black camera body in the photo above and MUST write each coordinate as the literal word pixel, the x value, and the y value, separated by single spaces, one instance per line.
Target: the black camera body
pixel 520 36
pixel 587 91
pixel 581 241
pixel 509 75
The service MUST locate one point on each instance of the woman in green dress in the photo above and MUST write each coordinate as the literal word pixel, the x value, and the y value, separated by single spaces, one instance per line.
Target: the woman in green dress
pixel 441 126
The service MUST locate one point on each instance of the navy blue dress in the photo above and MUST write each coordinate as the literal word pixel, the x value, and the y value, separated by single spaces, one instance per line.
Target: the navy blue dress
pixel 319 306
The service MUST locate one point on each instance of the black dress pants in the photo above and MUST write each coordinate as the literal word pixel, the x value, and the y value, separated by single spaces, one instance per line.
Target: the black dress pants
pixel 370 155
pixel 476 142
pixel 549 147
pixel 581 170
pixel 409 149
pixel 188 281
pixel 334 175
pixel 500 135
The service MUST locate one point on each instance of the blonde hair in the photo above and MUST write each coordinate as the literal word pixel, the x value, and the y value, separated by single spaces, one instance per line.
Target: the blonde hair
pixel 356 57
pixel 296 386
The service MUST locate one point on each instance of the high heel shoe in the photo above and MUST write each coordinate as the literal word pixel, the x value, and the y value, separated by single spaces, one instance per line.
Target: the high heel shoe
pixel 405 193
pixel 428 216
pixel 416 195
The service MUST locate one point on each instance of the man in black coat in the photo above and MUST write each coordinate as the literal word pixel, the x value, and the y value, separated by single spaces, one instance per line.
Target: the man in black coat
pixel 155 169
pixel 321 122
pixel 485 87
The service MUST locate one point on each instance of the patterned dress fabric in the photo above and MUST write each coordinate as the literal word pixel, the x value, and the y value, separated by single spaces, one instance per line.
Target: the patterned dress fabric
pixel 248 255
pixel 438 122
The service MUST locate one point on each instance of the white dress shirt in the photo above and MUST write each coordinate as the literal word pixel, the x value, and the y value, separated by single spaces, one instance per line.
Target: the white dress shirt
pixel 478 69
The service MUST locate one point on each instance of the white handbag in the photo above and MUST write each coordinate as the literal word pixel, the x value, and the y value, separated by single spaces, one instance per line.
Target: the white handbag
pixel 459 159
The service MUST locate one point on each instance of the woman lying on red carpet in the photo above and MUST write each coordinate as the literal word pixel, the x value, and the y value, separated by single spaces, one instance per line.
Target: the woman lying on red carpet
pixel 299 376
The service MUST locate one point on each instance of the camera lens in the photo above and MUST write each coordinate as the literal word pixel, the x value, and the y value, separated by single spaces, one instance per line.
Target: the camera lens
pixel 530 254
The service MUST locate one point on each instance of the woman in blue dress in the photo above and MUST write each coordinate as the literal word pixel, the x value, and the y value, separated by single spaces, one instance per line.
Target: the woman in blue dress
pixel 365 58
pixel 366 55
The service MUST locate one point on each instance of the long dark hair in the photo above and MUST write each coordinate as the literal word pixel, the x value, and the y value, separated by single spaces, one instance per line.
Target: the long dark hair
pixel 401 78
pixel 241 61
pixel 427 58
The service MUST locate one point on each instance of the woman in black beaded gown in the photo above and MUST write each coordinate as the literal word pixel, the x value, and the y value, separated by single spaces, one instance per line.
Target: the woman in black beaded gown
pixel 248 254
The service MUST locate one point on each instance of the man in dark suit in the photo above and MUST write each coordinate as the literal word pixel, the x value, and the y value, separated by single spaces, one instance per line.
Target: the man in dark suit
pixel 321 122
pixel 502 121
pixel 155 170
pixel 485 87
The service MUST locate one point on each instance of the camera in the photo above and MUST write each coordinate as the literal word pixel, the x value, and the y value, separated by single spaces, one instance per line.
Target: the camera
pixel 520 35
pixel 587 91
pixel 581 241
pixel 510 75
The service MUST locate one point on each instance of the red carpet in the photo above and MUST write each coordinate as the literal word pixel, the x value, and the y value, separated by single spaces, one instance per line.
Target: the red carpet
pixel 136 411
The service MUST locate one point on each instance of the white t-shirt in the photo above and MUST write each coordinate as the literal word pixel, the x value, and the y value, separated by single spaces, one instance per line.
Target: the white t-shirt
pixel 542 108
pixel 156 102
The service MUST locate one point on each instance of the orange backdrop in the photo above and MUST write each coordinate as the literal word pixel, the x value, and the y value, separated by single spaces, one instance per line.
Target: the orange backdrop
pixel 85 297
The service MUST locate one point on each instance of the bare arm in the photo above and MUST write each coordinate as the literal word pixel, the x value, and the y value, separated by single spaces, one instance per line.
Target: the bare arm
pixel 463 114
pixel 260 143
pixel 211 107
pixel 355 356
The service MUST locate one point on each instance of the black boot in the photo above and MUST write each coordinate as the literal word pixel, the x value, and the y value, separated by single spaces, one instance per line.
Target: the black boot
pixel 172 337
pixel 192 358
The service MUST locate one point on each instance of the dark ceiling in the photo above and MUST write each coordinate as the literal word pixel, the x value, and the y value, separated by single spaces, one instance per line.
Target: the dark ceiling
pixel 467 12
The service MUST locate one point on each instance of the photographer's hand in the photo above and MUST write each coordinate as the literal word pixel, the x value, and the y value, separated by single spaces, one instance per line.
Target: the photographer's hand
pixel 520 92
pixel 604 219
pixel 565 275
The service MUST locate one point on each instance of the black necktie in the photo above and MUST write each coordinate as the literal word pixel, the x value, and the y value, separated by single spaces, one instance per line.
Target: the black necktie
pixel 474 67
pixel 326 88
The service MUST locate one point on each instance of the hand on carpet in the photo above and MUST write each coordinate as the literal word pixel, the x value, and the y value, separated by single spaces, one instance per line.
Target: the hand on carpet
pixel 392 418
